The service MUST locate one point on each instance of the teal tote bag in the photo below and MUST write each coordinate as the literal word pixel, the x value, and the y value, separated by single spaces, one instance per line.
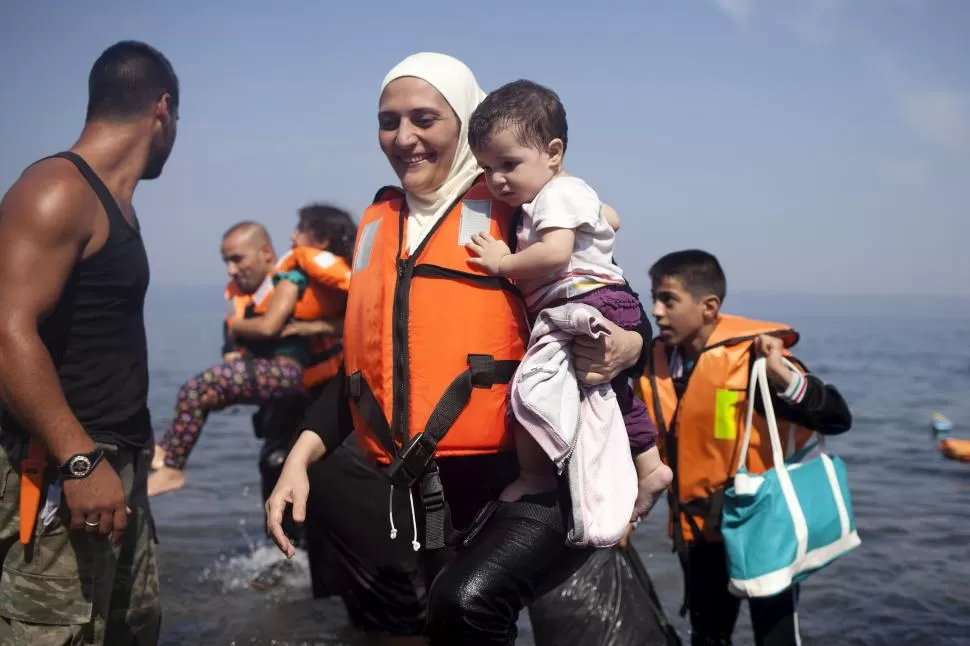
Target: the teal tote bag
pixel 782 525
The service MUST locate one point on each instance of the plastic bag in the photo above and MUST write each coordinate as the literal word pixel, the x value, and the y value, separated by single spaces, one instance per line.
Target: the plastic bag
pixel 609 601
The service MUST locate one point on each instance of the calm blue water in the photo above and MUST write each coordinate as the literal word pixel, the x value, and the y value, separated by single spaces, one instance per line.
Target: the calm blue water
pixel 896 361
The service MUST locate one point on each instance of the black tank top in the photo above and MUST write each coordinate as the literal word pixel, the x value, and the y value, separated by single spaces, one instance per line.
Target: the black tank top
pixel 96 333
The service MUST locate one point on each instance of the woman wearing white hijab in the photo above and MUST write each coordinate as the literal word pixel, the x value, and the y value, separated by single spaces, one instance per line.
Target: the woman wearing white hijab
pixel 437 171
pixel 425 104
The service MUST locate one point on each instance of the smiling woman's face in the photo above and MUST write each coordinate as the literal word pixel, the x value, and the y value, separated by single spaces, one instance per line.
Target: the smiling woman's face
pixel 418 134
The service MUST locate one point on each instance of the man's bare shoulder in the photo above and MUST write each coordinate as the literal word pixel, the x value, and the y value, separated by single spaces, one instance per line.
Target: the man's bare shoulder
pixel 50 196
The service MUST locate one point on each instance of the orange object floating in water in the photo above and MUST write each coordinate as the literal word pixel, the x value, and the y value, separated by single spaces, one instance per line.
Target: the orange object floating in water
pixel 956 449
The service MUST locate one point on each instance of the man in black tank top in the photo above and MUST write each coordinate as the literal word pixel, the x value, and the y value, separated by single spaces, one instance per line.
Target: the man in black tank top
pixel 74 370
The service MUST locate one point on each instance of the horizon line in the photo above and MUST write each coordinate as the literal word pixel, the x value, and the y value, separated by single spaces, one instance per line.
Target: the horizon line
pixel 742 292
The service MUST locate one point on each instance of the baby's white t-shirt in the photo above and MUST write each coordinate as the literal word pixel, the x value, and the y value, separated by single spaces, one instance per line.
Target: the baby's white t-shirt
pixel 568 203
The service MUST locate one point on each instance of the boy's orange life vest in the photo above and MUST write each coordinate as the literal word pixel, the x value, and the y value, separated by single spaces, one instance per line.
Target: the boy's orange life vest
pixel 701 433
pixel 431 342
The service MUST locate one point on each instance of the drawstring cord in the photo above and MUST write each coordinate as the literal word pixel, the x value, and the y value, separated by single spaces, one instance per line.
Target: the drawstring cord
pixel 415 545
pixel 414 523
pixel 390 512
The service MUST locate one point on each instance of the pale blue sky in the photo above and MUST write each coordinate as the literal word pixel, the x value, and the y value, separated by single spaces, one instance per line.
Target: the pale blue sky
pixel 813 145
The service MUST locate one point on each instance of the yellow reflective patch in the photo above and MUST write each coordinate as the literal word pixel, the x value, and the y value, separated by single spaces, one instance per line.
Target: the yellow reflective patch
pixel 726 414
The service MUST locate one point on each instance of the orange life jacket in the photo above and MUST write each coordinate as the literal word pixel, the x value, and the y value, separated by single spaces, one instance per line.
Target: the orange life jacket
pixel 326 295
pixel 700 435
pixel 317 302
pixel 238 302
pixel 431 342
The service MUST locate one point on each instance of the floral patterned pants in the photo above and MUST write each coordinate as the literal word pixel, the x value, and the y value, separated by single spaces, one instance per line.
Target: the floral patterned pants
pixel 239 381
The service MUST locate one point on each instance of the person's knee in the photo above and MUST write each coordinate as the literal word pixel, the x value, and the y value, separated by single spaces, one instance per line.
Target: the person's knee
pixel 467 606
pixel 450 599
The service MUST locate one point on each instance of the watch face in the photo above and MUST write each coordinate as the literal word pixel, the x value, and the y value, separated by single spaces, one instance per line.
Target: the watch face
pixel 79 466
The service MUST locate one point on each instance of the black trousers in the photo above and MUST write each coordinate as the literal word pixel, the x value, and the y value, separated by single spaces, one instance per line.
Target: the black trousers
pixel 714 610
pixel 517 555
pixel 351 554
pixel 512 554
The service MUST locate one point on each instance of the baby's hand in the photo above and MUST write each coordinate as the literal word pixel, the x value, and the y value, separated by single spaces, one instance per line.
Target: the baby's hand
pixel 489 251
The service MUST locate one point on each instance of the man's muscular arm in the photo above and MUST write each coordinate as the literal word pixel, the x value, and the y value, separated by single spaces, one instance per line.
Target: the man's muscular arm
pixel 47 222
pixel 45 225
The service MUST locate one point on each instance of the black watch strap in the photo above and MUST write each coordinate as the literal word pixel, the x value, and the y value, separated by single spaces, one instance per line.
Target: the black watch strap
pixel 80 465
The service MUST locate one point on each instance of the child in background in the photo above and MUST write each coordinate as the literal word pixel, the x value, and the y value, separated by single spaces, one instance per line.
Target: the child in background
pixel 564 247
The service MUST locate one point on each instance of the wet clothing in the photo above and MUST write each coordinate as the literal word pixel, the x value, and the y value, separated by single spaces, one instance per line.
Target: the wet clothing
pixel 511 558
pixel 96 332
pixel 714 610
pixel 238 381
pixel 350 551
pixel 531 535
pixel 78 588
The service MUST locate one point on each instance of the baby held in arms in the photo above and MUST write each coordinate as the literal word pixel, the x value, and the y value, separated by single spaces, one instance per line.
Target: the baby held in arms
pixel 564 254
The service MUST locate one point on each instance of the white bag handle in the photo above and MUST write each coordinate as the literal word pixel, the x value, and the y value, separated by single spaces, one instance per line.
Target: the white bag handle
pixel 759 376
pixel 790 448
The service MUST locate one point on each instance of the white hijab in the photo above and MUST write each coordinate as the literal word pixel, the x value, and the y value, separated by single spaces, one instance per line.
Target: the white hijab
pixel 458 86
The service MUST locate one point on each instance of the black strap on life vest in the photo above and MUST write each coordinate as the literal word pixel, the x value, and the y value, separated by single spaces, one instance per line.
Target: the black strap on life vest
pixel 483 372
pixel 371 411
pixel 414 462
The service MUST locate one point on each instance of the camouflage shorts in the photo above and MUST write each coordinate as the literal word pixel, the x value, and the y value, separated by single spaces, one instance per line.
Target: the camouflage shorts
pixel 77 588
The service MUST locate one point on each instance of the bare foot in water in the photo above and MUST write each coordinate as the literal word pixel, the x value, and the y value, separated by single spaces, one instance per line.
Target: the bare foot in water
pixel 653 479
pixel 165 480
pixel 158 459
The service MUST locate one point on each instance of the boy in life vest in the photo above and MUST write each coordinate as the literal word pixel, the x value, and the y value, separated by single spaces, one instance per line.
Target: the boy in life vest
pixel 695 387
pixel 564 251
pixel 310 283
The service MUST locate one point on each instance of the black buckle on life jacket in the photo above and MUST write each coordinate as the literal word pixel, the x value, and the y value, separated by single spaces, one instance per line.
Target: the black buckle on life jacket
pixel 413 460
pixel 482 369
pixel 353 385
pixel 432 492
pixel 438 530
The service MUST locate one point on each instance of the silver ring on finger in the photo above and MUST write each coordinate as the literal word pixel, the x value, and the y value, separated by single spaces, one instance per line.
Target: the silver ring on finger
pixel 89 523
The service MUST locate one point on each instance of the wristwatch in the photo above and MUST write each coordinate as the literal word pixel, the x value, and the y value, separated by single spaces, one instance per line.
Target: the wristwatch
pixel 81 465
